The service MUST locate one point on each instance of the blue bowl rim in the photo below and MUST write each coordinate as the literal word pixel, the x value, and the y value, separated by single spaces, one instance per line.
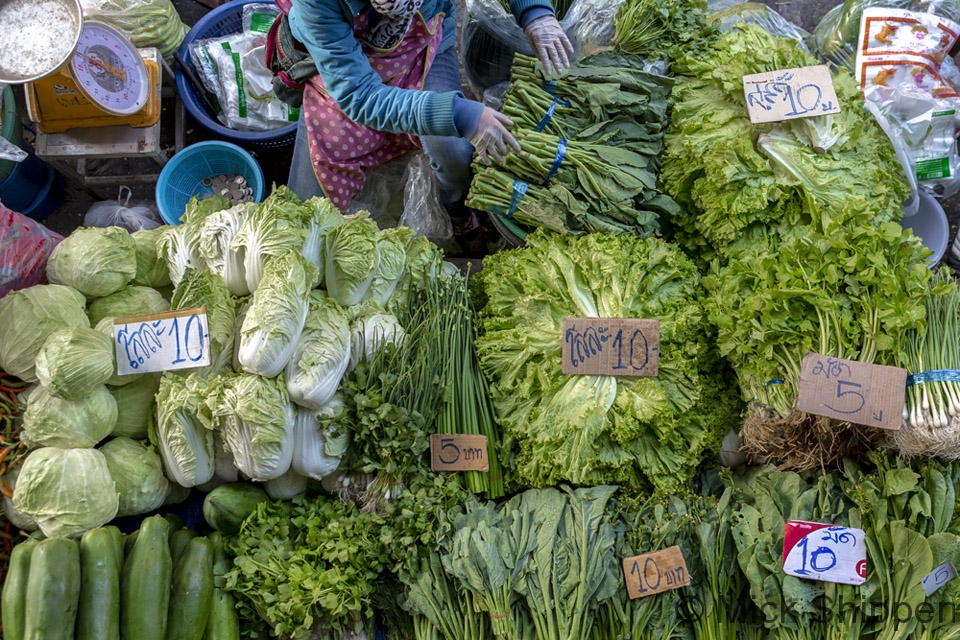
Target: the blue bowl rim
pixel 190 101
pixel 193 149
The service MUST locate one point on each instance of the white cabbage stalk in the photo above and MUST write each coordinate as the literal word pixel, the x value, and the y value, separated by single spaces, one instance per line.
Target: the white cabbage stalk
pixel 287 486
pixel 216 238
pixel 275 227
pixel 371 330
pixel 391 248
pixel 256 422
pixel 324 218
pixel 184 429
pixel 351 259
pixel 173 247
pixel 276 316
pixel 322 354
pixel 321 441
pixel 204 289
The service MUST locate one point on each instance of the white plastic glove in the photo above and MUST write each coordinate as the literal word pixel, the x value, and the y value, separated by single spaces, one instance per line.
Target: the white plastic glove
pixel 550 43
pixel 492 138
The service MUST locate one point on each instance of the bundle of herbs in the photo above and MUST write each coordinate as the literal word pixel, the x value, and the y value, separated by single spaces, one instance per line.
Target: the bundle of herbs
pixel 668 29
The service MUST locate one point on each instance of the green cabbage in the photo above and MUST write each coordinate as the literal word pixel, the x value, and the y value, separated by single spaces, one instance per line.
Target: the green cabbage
pixel 152 270
pixel 66 491
pixel 216 238
pixel 351 259
pixel 95 261
pixel 73 362
pixel 256 421
pixel 276 315
pixel 50 421
pixel 200 288
pixel 184 429
pixel 280 224
pixel 391 248
pixel 129 301
pixel 591 430
pixel 137 472
pixel 135 405
pixel 28 317
pixel 322 353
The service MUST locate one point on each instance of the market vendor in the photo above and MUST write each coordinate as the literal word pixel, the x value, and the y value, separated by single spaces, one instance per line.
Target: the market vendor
pixel 388 82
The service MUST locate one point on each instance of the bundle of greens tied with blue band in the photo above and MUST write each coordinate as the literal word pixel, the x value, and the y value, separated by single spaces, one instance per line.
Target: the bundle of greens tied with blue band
pixel 590 142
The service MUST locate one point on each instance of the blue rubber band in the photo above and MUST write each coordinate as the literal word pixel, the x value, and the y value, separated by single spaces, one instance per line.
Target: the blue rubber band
pixel 561 152
pixel 519 191
pixel 940 375
pixel 549 115
pixel 775 381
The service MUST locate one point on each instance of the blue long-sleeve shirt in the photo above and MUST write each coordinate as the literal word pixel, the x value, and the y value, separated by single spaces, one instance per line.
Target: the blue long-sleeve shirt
pixel 325 28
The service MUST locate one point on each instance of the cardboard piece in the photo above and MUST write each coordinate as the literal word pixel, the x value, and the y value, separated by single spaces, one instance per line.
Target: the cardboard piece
pixel 458 452
pixel 867 394
pixel 655 572
pixel 611 346
pixel 162 341
pixel 787 94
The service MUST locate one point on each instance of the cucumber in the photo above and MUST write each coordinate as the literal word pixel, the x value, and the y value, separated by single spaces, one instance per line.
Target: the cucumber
pixel 14 599
pixel 53 590
pixel 176 523
pixel 145 583
pixel 178 542
pixel 117 538
pixel 99 615
pixel 191 592
pixel 128 543
pixel 224 622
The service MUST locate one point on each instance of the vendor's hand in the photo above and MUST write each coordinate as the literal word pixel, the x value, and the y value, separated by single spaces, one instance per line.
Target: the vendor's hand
pixel 549 43
pixel 492 140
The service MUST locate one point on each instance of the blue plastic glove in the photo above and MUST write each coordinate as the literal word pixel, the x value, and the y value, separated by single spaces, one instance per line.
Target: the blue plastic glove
pixel 550 43
pixel 491 139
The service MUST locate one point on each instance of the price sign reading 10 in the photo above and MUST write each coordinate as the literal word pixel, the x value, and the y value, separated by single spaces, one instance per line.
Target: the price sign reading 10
pixel 824 552
pixel 655 572
pixel 162 341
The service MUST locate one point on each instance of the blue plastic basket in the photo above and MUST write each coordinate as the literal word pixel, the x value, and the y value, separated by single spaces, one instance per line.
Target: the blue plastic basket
pixel 224 20
pixel 182 177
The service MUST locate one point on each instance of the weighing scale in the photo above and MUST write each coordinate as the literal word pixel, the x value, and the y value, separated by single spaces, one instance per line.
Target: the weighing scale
pixel 105 83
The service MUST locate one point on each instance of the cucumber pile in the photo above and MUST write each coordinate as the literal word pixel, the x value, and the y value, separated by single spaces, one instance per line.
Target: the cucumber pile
pixel 163 582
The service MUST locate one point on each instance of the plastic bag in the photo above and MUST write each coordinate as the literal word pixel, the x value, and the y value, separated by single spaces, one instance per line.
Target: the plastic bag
pixel 897 66
pixel 835 37
pixel 422 210
pixel 233 68
pixel 382 193
pixel 25 245
pixel 762 16
pixel 132 216
pixel 148 23
pixel 491 36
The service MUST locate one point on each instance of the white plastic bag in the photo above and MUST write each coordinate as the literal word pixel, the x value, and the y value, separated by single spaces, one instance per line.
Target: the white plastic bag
pixel 132 216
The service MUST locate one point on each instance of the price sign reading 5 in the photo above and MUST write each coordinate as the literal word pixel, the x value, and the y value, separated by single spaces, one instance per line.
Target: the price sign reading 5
pixel 824 552
pixel 162 341
pixel 655 572
pixel 939 577
pixel 851 391
pixel 458 452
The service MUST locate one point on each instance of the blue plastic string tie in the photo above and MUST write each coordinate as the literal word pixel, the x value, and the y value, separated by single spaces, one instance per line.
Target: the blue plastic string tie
pixel 940 375
pixel 550 86
pixel 775 381
pixel 561 152
pixel 519 191
pixel 549 115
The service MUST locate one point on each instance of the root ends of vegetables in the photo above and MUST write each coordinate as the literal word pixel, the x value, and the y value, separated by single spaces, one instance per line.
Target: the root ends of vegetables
pixel 802 441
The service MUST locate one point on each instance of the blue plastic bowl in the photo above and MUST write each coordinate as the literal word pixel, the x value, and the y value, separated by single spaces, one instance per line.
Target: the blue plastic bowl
pixel 182 177
pixel 224 20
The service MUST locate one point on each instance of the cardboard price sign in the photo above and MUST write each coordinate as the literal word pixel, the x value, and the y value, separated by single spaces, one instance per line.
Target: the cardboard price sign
pixel 787 94
pixel 458 452
pixel 816 551
pixel 162 341
pixel 867 394
pixel 611 346
pixel 655 572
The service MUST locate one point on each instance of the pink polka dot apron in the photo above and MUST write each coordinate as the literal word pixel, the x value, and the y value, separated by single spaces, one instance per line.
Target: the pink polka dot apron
pixel 340 149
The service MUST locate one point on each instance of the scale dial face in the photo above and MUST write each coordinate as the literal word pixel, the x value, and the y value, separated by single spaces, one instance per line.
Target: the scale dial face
pixel 109 71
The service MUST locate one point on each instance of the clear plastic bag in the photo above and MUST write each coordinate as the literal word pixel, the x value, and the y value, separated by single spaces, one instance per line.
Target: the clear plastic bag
pixel 422 210
pixel 132 216
pixel 491 36
pixel 762 16
pixel 382 193
pixel 148 23
pixel 25 245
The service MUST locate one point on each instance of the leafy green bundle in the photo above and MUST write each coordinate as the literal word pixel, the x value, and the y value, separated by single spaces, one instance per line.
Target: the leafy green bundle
pixel 662 28
pixel 634 431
